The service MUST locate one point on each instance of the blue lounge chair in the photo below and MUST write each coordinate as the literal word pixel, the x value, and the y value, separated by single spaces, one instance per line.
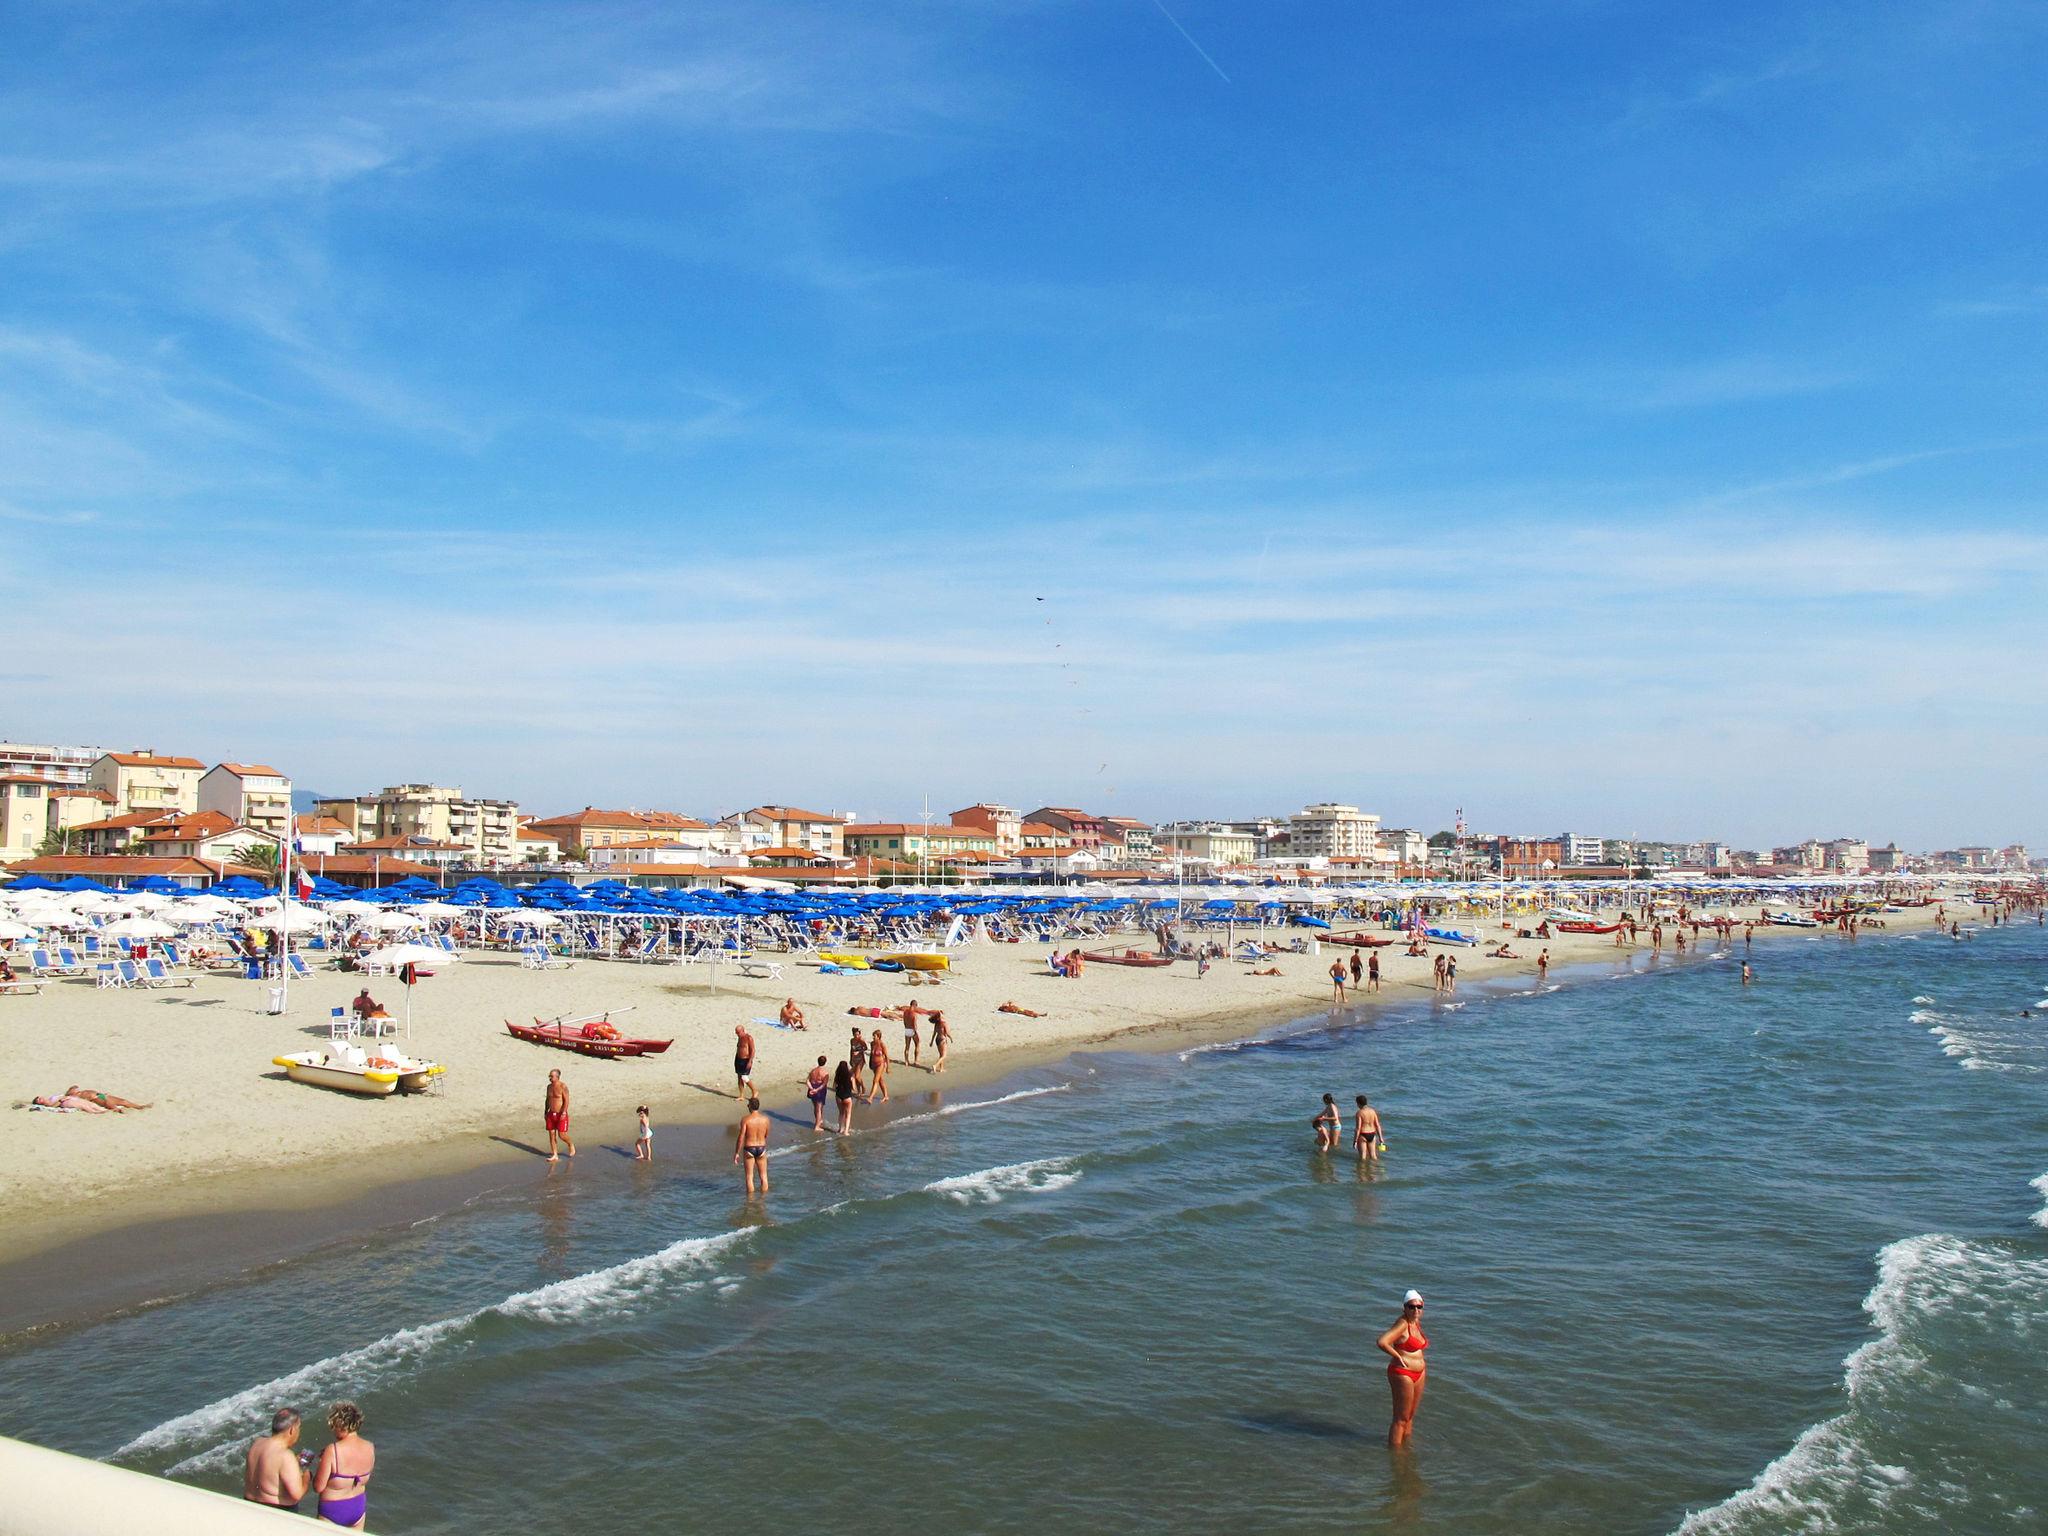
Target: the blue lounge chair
pixel 107 974
pixel 40 962
pixel 299 969
pixel 158 976
pixel 131 974
pixel 68 958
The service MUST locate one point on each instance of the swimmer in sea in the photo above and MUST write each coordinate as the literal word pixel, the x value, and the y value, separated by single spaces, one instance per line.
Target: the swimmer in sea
pixel 1747 975
pixel 1327 1124
pixel 751 1145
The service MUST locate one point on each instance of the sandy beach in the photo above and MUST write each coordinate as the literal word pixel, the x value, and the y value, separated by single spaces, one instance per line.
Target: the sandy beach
pixel 228 1131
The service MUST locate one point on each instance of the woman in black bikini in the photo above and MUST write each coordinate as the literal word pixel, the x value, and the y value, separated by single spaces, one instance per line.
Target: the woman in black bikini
pixel 842 1090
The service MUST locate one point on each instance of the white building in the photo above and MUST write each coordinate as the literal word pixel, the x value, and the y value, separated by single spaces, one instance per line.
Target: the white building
pixel 1403 845
pixel 1331 831
pixel 1205 843
pixel 1581 850
pixel 48 762
pixel 250 793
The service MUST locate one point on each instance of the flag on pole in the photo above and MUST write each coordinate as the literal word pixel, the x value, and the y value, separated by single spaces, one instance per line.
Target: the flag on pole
pixel 304 885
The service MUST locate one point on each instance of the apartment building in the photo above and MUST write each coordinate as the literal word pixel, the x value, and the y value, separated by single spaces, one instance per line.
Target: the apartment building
pixel 591 829
pixel 1005 824
pixel 1404 846
pixel 487 829
pixel 1080 829
pixel 144 780
pixel 1133 836
pixel 910 840
pixel 202 835
pixel 1581 849
pixel 50 763
pixel 1331 831
pixel 252 794
pixel 24 815
pixel 785 826
pixel 1210 842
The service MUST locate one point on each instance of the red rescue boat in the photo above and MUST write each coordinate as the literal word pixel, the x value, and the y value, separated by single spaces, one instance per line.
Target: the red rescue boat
pixel 1128 957
pixel 596 1036
pixel 1585 927
pixel 1360 940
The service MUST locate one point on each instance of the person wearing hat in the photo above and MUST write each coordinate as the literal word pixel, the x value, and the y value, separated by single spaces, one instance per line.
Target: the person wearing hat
pixel 1403 1345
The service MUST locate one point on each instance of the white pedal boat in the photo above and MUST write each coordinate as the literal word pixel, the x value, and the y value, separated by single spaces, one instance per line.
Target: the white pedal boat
pixel 347 1067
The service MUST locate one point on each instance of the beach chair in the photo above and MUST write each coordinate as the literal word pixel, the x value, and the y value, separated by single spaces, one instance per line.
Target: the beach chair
pixel 298 967
pixel 24 986
pixel 341 1025
pixel 536 958
pixel 39 961
pixel 173 955
pixel 68 957
pixel 94 949
pixel 130 973
pixel 444 942
pixel 761 970
pixel 157 976
pixel 105 974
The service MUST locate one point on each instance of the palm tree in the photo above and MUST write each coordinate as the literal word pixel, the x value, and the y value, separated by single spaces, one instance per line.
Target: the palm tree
pixel 261 857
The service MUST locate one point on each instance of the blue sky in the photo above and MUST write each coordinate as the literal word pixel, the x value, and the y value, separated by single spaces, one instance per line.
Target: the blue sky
pixel 1618 416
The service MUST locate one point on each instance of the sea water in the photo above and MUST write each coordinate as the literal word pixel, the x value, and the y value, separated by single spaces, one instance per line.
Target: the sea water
pixel 1699 1257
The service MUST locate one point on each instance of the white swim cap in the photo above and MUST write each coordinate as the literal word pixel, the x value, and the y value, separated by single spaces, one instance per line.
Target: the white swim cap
pixel 1411 1298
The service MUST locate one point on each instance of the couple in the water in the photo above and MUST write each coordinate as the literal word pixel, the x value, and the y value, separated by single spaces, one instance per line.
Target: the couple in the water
pixel 1368 1137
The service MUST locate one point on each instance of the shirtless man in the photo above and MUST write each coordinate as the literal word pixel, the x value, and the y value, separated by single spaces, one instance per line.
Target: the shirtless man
pixel 792 1016
pixel 913 1042
pixel 1372 973
pixel 1366 1132
pixel 1328 1124
pixel 554 1114
pixel 1337 980
pixel 272 1473
pixel 750 1147
pixel 743 1060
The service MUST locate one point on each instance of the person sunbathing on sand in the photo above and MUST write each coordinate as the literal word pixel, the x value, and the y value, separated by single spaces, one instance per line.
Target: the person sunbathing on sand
pixel 69 1101
pixel 1028 1013
pixel 792 1016
pixel 1271 970
pixel 104 1100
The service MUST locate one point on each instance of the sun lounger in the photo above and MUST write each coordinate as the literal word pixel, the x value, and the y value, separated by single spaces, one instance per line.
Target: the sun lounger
pixel 131 973
pixel 25 985
pixel 67 957
pixel 761 970
pixel 157 976
pixel 299 969
pixel 536 958
pixel 106 975
pixel 40 962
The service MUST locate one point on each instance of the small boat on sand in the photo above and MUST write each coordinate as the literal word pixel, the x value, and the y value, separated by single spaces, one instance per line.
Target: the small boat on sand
pixel 917 960
pixel 1586 927
pixel 376 1070
pixel 597 1036
pixel 1790 920
pixel 1136 957
pixel 1361 940
pixel 1447 936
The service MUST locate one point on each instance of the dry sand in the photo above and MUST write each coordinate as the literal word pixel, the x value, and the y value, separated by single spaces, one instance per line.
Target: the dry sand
pixel 229 1131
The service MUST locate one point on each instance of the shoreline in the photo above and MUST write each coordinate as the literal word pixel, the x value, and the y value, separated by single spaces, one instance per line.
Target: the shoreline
pixel 127 1250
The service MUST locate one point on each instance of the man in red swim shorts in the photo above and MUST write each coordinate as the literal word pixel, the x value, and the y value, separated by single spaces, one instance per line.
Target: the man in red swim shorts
pixel 555 1114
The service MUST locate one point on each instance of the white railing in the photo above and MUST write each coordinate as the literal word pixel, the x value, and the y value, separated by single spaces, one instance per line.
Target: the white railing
pixel 48 1493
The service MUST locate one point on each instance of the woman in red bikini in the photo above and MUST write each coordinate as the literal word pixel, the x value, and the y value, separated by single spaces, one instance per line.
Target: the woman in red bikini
pixel 1403 1345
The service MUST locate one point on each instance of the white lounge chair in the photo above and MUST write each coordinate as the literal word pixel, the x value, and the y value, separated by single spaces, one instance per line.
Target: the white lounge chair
pixel 536 958
pixel 762 970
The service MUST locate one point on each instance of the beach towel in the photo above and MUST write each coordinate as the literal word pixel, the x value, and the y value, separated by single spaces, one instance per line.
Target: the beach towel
pixel 50 1109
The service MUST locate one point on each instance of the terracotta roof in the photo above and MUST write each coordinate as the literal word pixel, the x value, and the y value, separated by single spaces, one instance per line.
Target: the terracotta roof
pixel 80 791
pixel 251 770
pixel 640 842
pixel 805 854
pixel 185 828
pixel 1040 829
pixel 130 819
pixel 125 866
pixel 1127 821
pixel 789 813
pixel 321 826
pixel 591 816
pixel 147 760
pixel 918 829
pixel 416 844
pixel 537 837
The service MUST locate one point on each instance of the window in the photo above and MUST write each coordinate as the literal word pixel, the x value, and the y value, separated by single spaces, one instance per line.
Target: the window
pixel 28 791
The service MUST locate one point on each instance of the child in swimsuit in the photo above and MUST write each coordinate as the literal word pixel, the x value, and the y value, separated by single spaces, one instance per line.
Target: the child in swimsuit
pixel 643 1151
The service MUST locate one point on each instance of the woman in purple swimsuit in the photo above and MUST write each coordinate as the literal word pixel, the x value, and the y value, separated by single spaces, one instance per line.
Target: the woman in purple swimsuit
pixel 343 1477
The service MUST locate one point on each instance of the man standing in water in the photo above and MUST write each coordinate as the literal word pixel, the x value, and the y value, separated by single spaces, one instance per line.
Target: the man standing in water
pixel 272 1473
pixel 1337 979
pixel 1367 1134
pixel 554 1114
pixel 751 1146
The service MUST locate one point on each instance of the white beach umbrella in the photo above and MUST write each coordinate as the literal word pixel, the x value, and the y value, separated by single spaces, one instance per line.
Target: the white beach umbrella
pixel 297 919
pixel 435 909
pixel 395 955
pixel 389 922
pixel 140 928
pixel 12 932
pixel 533 919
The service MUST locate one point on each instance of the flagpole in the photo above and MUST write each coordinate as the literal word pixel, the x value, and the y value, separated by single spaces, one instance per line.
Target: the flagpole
pixel 284 913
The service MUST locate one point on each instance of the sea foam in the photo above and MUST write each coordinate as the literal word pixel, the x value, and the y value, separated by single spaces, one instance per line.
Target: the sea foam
pixel 1871 1467
pixel 989 1185
pixel 356 1370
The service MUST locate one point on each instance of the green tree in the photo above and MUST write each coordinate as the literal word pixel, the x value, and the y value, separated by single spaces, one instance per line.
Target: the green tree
pixel 261 857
